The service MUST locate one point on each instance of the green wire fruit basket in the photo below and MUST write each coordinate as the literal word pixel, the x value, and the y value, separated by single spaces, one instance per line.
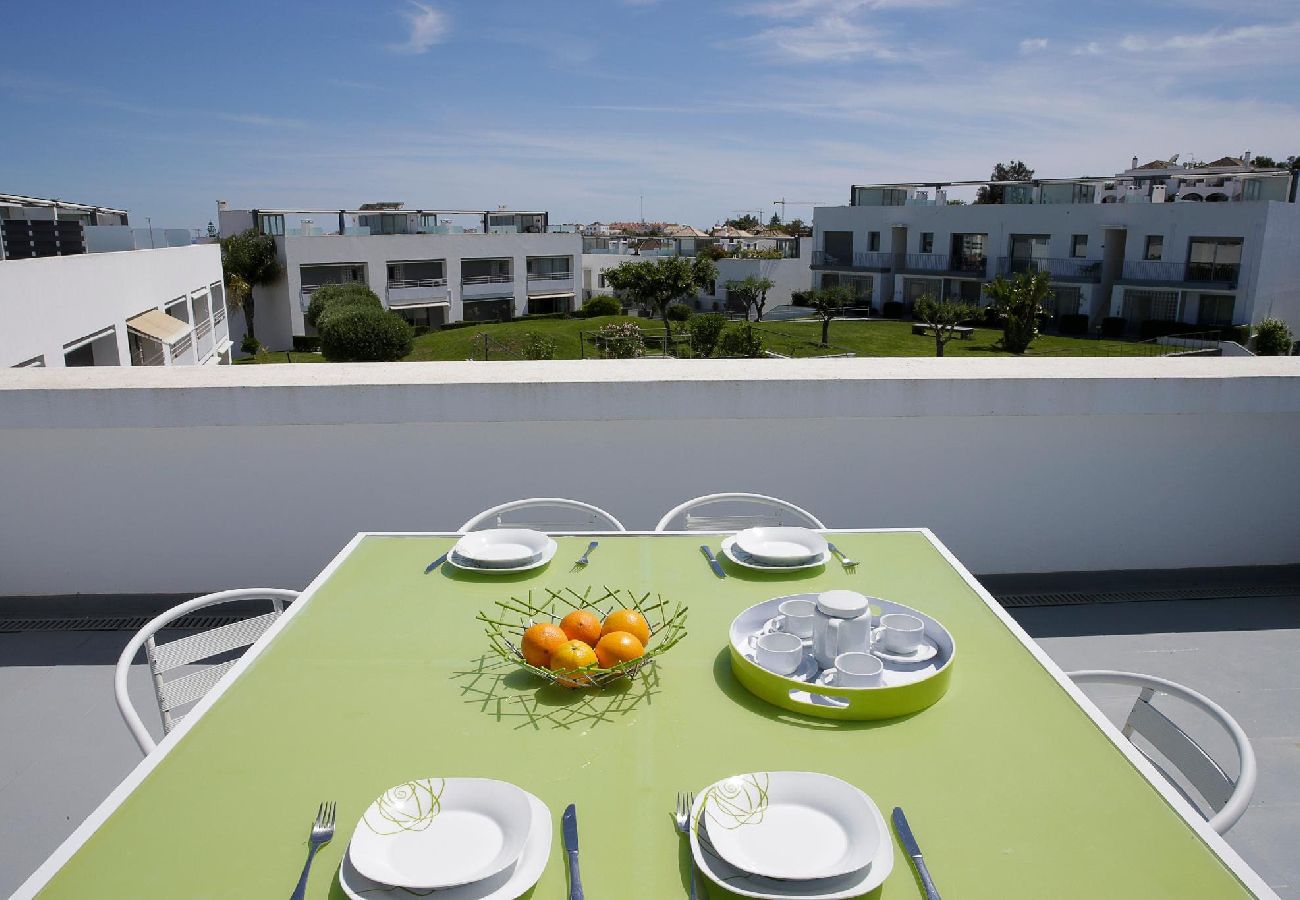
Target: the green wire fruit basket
pixel 506 624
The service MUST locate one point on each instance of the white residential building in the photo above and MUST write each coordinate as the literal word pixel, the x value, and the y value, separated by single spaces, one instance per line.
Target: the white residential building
pixel 505 264
pixel 1137 246
pixel 80 287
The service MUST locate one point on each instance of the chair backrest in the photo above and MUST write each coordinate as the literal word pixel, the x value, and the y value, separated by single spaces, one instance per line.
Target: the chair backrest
pixel 717 513
pixel 1228 798
pixel 191 651
pixel 540 513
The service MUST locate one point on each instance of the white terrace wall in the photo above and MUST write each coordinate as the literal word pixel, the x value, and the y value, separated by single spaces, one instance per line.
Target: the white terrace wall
pixel 198 479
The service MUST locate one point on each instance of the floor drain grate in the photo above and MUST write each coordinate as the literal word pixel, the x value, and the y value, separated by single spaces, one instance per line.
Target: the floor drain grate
pixel 113 623
pixel 1075 598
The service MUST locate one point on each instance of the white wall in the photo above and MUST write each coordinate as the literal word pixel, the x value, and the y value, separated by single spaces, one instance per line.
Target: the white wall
pixel 51 301
pixel 202 478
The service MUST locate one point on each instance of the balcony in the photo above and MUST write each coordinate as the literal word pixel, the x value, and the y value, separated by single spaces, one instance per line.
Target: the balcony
pixel 203 338
pixel 870 261
pixel 1057 268
pixel 408 291
pixel 473 287
pixel 550 282
pixel 1147 271
pixel 942 264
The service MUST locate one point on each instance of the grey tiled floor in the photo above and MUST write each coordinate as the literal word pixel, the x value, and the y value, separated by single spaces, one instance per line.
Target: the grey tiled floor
pixel 64 747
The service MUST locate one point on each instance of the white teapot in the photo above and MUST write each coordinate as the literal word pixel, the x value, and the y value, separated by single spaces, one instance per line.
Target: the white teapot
pixel 842 624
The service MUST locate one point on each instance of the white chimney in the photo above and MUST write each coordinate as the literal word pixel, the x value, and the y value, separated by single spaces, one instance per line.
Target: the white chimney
pixel 1157 193
pixel 1245 157
pixel 222 205
pixel 1135 163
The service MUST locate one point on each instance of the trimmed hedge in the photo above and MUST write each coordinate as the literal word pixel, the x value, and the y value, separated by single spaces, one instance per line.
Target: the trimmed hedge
pixel 893 309
pixel 558 315
pixel 1113 326
pixel 600 305
pixel 452 326
pixel 332 296
pixel 1072 323
pixel 364 334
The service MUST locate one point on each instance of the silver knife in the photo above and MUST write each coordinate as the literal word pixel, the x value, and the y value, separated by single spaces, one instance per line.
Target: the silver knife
pixel 713 561
pixel 569 832
pixel 436 563
pixel 914 850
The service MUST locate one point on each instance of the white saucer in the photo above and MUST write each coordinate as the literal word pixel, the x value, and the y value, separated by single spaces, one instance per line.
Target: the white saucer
pixel 747 884
pixel 507 884
pixel 465 565
pixel 926 651
pixel 741 558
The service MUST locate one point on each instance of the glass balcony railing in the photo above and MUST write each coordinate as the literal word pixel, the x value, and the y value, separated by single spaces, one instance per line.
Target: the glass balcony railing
pixel 1058 268
pixel 873 259
pixel 1159 272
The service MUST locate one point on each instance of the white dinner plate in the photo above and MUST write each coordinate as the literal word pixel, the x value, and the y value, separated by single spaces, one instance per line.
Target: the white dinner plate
pixel 776 546
pixel 441 832
pixel 501 548
pixel 459 562
pixel 923 653
pixel 790 825
pixel 741 558
pixel 747 884
pixel 509 883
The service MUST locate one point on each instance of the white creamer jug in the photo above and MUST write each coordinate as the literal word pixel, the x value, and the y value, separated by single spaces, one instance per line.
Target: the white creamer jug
pixel 843 623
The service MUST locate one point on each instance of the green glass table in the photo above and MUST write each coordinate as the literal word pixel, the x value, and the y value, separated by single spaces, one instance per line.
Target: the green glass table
pixel 380 674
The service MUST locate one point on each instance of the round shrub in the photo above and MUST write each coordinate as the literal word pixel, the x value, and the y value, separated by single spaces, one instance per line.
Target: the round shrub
pixel 364 334
pixel 1272 338
pixel 620 340
pixel 705 331
pixel 328 295
pixel 740 342
pixel 679 312
pixel 603 305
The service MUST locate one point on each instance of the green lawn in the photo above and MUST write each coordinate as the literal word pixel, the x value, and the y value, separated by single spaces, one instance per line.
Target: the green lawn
pixel 874 338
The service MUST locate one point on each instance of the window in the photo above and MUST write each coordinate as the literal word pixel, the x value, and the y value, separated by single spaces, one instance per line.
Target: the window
pixel 860 284
pixel 1141 305
pixel 600 281
pixel 1030 246
pixel 1215 309
pixel 268 224
pixel 927 241
pixel 838 246
pixel 1079 246
pixel 550 267
pixel 474 271
pixel 879 197
pixel 1155 247
pixel 1064 300
pixel 1214 259
pixel 873 241
pixel 968 252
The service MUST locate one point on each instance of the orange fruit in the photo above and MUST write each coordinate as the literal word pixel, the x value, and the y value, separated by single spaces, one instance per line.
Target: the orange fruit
pixel 617 647
pixel 628 620
pixel 573 655
pixel 539 643
pixel 581 625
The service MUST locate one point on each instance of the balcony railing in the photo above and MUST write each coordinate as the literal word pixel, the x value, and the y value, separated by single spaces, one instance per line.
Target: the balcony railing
pixel 1058 268
pixel 182 346
pixel 203 329
pixel 399 283
pixel 487 279
pixel 147 352
pixel 219 314
pixel 1159 272
pixel 549 276
pixel 925 262
pixel 871 260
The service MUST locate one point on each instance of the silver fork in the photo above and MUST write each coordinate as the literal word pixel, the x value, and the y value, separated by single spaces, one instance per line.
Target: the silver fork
pixel 849 564
pixel 582 560
pixel 682 818
pixel 322 830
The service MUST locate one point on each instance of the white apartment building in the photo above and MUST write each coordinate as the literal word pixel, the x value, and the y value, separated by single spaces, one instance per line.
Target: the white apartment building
pixel 506 263
pixel 80 287
pixel 1216 245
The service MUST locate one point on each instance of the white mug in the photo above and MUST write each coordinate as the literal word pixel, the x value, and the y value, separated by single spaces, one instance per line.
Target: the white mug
pixel 778 652
pixel 797 617
pixel 857 669
pixel 900 632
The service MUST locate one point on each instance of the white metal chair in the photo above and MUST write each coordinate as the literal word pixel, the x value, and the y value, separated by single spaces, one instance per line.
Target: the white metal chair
pixel 1218 791
pixel 162 658
pixel 589 518
pixel 775 511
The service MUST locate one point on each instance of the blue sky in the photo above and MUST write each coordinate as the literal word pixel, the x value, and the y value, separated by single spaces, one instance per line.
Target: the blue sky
pixel 579 107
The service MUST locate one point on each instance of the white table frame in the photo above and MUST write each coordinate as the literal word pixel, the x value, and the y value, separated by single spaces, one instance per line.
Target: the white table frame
pixel 42 876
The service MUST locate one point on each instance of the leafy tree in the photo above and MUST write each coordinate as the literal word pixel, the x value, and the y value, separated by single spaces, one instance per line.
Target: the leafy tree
pixel 1272 338
pixel 747 222
pixel 659 283
pixel 1012 171
pixel 774 222
pixel 705 331
pixel 796 227
pixel 336 296
pixel 741 342
pixel 1020 303
pixel 711 251
pixel 828 302
pixel 248 259
pixel 944 317
pixel 751 291
pixel 1263 162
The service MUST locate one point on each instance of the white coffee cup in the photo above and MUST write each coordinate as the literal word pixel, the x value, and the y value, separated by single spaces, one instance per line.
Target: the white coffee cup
pixel 858 669
pixel 797 617
pixel 779 652
pixel 901 633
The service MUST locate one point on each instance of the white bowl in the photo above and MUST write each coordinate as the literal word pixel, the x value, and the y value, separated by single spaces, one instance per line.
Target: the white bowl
pixel 781 545
pixel 498 548
pixel 791 825
pixel 441 832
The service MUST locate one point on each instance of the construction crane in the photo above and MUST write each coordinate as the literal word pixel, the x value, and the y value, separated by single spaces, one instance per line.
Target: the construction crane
pixel 784 202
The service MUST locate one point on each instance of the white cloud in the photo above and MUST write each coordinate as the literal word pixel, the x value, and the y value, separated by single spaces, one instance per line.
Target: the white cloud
pixel 1032 45
pixel 1214 38
pixel 829 39
pixel 426 27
